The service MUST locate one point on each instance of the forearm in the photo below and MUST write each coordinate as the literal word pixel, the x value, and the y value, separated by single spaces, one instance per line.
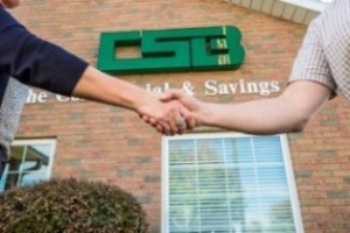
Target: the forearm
pixel 267 116
pixel 97 86
pixel 288 112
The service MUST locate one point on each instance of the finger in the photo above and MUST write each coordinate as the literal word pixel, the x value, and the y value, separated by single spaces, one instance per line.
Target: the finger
pixel 165 96
pixel 149 120
pixel 191 123
pixel 174 128
pixel 176 122
pixel 171 94
pixel 160 129
pixel 166 129
pixel 144 118
pixel 189 118
pixel 152 121
pixel 181 124
pixel 181 131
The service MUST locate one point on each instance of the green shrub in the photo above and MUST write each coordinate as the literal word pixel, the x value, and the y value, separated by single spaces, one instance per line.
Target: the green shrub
pixel 70 206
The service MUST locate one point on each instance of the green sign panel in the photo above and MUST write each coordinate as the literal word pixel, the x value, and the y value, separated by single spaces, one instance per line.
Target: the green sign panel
pixel 189 49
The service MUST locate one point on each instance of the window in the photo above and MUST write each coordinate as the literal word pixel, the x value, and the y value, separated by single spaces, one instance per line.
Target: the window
pixel 228 183
pixel 30 162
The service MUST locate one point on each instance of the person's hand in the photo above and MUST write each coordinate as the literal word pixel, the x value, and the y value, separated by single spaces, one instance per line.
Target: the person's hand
pixel 190 103
pixel 186 100
pixel 169 117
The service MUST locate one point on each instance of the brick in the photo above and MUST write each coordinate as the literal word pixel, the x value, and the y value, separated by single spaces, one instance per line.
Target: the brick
pixel 347 180
pixel 152 179
pixel 125 172
pixel 319 209
pixel 144 199
pixel 327 153
pixel 72 162
pixel 144 159
pixel 338 194
pixel 134 141
pixel 303 174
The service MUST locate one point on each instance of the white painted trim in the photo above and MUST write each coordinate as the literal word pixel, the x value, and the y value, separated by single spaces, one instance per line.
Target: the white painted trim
pixel 26 142
pixel 293 192
pixel 52 142
pixel 313 5
pixel 165 185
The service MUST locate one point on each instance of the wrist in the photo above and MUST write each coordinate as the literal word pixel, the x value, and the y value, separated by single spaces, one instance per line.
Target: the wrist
pixel 203 114
pixel 142 99
pixel 138 99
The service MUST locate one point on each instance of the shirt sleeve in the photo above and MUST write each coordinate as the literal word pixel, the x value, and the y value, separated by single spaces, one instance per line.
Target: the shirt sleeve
pixel 10 111
pixel 34 61
pixel 311 63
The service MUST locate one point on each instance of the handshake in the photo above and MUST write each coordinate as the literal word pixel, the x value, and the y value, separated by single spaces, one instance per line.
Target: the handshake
pixel 172 112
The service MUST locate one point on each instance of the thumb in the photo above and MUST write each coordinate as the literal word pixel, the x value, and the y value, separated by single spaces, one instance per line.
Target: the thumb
pixel 171 95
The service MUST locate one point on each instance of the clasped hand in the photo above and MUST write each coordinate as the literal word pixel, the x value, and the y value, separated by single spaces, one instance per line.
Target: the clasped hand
pixel 171 113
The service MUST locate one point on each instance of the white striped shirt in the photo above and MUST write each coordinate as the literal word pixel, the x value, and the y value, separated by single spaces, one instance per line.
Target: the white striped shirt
pixel 10 111
pixel 325 53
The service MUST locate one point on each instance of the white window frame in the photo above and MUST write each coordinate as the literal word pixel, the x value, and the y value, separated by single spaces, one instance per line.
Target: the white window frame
pixel 26 142
pixel 295 204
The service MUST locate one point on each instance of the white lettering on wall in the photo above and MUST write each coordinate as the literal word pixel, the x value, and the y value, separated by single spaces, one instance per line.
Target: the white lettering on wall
pixel 157 88
pixel 211 87
pixel 34 97
pixel 214 87
pixel 43 96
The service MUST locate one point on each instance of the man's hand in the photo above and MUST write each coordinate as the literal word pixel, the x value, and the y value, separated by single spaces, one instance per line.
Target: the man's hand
pixel 190 111
pixel 169 117
pixel 188 101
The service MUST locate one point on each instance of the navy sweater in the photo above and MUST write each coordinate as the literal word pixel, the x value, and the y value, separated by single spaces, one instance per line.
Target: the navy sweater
pixel 34 61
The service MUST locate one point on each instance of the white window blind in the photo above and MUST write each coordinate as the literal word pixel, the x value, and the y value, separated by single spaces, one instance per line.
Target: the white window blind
pixel 228 184
pixel 30 162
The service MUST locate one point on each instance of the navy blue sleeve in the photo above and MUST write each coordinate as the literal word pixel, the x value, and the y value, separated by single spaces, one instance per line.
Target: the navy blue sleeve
pixel 34 61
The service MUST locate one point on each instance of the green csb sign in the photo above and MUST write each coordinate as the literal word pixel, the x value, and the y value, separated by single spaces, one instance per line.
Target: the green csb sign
pixel 189 49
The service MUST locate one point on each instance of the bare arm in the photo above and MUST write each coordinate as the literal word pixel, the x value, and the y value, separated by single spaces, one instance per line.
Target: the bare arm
pixel 287 113
pixel 98 86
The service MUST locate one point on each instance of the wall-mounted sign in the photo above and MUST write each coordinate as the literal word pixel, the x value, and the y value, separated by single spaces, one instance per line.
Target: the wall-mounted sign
pixel 208 48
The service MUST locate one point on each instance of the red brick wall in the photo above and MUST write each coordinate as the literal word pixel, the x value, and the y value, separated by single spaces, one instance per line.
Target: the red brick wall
pixel 111 144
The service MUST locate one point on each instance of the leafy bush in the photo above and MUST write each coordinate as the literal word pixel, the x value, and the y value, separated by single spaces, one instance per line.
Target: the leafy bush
pixel 70 206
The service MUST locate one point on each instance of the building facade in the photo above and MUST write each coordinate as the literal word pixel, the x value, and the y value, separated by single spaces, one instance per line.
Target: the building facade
pixel 207 180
